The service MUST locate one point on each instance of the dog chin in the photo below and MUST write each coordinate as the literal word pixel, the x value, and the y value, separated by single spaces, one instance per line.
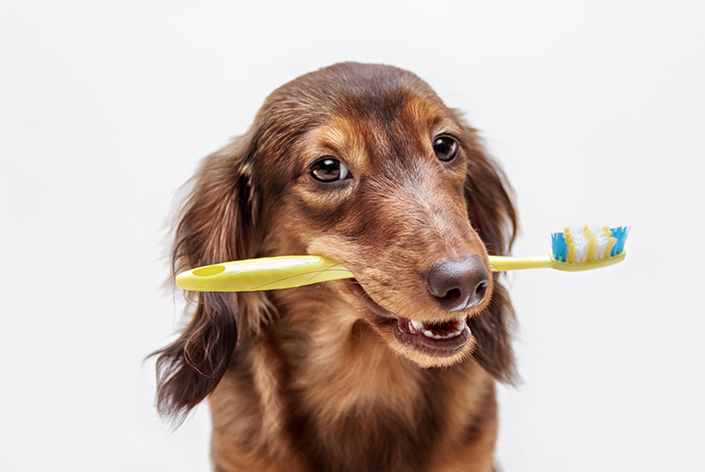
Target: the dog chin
pixel 428 344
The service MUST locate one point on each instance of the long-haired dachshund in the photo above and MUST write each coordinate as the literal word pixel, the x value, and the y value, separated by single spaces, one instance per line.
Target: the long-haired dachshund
pixel 393 370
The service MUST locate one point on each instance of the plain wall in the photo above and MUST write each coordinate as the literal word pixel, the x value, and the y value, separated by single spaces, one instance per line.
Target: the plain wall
pixel 594 109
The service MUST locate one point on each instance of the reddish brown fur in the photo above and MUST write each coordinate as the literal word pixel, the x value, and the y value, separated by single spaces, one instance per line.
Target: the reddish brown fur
pixel 308 379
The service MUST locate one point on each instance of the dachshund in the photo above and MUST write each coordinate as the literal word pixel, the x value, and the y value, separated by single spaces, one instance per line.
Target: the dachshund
pixel 392 370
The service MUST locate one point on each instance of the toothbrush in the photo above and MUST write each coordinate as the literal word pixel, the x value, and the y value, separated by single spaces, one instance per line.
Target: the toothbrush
pixel 572 250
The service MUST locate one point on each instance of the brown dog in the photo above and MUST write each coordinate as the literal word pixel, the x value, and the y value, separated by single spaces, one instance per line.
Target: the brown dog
pixel 391 371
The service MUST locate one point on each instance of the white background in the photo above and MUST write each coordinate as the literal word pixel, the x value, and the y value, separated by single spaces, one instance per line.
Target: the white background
pixel 595 109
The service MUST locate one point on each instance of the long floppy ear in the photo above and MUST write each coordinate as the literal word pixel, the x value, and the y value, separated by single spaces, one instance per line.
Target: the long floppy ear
pixel 493 217
pixel 215 223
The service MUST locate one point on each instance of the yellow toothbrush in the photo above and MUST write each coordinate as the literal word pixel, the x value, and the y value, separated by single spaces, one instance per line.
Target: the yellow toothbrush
pixel 572 250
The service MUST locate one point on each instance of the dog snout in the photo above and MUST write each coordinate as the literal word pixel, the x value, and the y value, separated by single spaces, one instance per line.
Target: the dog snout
pixel 457 285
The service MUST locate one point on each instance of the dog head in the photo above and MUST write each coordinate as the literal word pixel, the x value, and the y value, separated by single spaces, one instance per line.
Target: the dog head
pixel 365 165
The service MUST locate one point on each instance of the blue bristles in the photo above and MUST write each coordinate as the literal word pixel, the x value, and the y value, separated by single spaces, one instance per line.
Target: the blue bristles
pixel 559 247
pixel 620 234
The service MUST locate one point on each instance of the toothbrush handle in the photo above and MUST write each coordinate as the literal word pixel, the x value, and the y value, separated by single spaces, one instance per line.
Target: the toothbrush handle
pixel 267 273
pixel 272 273
pixel 504 263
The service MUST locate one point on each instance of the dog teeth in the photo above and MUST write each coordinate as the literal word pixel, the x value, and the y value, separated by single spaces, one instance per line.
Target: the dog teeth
pixel 417 326
pixel 429 334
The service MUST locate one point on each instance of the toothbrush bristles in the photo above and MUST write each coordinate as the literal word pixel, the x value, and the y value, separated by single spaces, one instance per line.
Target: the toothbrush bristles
pixel 578 245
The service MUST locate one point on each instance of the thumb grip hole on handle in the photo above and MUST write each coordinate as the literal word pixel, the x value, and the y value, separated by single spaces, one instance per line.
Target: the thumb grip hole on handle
pixel 209 270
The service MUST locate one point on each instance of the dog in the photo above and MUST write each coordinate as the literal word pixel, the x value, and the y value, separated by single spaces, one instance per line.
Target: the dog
pixel 392 370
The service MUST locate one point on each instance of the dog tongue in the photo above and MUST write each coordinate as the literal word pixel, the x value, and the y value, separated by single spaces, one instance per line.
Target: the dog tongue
pixel 442 328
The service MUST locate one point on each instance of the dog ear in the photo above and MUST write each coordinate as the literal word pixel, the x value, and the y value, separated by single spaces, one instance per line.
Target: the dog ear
pixel 215 223
pixel 493 217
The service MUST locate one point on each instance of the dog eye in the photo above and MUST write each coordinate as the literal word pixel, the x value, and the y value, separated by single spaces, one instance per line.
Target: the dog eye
pixel 329 170
pixel 446 148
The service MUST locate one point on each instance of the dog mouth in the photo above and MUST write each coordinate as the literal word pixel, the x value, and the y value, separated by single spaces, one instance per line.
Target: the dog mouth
pixel 438 339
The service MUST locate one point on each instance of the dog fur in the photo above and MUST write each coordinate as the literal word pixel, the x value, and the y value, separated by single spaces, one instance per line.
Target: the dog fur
pixel 328 377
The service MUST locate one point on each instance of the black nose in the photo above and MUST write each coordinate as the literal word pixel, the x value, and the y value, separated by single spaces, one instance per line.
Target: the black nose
pixel 457 285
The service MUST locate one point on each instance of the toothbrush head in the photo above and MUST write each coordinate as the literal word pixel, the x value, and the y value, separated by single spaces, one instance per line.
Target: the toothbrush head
pixel 576 245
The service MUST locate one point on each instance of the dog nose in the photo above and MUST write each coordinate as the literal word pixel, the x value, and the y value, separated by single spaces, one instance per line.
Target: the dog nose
pixel 457 285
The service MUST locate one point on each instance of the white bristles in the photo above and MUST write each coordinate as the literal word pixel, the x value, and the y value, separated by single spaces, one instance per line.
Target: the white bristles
pixel 580 244
pixel 588 244
pixel 603 239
